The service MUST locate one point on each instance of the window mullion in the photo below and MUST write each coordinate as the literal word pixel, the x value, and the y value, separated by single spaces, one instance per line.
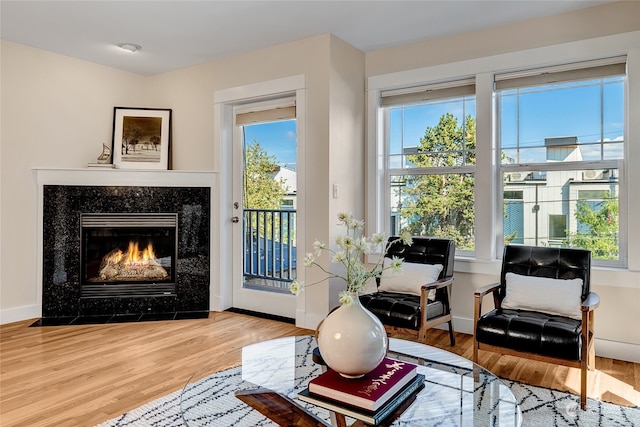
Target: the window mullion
pixel 486 225
pixel 432 171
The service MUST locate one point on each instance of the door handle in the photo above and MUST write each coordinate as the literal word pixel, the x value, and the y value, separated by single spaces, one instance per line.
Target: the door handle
pixel 235 219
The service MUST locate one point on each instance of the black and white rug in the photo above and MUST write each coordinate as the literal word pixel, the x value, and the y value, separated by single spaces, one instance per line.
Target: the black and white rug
pixel 540 407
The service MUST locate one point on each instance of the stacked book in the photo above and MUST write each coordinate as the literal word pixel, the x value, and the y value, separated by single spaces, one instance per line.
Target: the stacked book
pixel 371 398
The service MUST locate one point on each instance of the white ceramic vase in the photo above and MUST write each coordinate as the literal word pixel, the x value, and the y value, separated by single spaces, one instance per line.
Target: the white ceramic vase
pixel 352 340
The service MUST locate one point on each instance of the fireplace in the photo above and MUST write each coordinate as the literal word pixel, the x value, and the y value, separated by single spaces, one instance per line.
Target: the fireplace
pixel 125 252
pixel 127 255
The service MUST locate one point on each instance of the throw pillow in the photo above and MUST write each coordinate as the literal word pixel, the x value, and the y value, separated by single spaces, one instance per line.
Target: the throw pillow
pixel 410 279
pixel 553 296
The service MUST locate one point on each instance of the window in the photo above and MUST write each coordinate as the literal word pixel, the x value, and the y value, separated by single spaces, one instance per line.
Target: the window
pixel 513 217
pixel 557 229
pixel 269 191
pixel 431 144
pixel 550 162
pixel 561 136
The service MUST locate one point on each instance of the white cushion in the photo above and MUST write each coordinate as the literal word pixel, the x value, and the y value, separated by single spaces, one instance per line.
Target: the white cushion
pixel 410 279
pixel 553 296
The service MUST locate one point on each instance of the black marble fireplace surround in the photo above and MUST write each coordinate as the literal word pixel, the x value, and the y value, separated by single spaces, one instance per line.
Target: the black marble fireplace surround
pixel 62 208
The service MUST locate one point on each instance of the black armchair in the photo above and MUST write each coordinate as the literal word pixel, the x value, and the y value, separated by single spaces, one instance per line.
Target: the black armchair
pixel 543 309
pixel 428 304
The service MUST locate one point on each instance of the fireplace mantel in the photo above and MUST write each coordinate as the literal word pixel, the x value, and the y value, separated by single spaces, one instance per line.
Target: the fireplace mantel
pixel 129 177
pixel 97 181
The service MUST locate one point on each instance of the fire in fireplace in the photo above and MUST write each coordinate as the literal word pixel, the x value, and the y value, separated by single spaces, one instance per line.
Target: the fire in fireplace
pixel 128 255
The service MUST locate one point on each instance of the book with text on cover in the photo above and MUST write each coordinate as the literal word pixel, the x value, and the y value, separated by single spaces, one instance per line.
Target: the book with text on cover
pixel 369 392
pixel 406 396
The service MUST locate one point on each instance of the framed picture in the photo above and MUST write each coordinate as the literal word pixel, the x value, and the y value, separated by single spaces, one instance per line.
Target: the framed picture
pixel 141 138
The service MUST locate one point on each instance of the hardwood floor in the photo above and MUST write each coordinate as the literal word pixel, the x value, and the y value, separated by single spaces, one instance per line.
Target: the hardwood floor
pixel 82 375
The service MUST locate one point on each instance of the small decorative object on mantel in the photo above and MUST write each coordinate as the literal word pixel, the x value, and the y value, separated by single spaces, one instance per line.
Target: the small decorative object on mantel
pixel 352 340
pixel 105 156
pixel 104 159
pixel 141 138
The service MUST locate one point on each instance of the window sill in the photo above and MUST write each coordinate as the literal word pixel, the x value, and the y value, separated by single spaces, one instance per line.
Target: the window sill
pixel 600 276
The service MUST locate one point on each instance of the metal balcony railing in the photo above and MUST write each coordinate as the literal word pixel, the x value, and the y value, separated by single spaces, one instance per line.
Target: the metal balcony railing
pixel 270 244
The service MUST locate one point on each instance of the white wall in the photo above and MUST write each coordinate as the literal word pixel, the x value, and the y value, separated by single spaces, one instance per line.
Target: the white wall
pixel 346 134
pixel 55 112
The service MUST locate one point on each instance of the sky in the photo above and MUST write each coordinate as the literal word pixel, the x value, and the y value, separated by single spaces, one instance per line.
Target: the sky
pixel 536 114
pixel 525 122
pixel 277 139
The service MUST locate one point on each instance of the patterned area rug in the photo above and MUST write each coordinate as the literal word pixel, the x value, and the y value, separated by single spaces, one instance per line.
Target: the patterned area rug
pixel 540 407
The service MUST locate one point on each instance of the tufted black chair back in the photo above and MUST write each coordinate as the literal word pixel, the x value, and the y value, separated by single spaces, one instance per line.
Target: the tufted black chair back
pixel 555 263
pixel 426 250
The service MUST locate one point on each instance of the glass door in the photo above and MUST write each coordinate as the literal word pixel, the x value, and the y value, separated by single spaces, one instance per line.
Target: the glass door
pixel 265 199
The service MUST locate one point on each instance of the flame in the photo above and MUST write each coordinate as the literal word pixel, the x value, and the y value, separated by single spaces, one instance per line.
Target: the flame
pixel 133 264
pixel 136 257
pixel 114 257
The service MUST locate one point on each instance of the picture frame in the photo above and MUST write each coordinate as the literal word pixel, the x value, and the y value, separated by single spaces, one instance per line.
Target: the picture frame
pixel 141 138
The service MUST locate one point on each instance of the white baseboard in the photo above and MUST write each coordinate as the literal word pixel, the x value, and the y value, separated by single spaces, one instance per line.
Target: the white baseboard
pixel 618 350
pixel 604 348
pixel 304 320
pixel 17 314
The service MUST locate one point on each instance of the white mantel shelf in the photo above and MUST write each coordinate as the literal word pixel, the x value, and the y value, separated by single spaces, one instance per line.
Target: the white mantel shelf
pixel 129 177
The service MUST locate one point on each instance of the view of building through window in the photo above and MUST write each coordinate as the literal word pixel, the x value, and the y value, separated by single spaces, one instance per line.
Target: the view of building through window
pixel 564 124
pixel 561 146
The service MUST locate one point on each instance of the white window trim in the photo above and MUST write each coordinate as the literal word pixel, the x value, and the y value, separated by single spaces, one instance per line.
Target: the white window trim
pixel 486 179
pixel 225 102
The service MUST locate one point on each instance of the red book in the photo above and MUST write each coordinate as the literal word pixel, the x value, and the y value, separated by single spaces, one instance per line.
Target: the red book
pixel 369 392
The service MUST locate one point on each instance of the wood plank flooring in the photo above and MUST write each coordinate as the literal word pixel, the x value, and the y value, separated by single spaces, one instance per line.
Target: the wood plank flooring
pixel 82 375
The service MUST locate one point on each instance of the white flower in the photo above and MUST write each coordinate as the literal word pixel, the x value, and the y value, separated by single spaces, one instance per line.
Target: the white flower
pixel 319 247
pixel 345 297
pixel 406 238
pixel 378 238
pixel 354 224
pixel 347 243
pixel 308 260
pixel 396 264
pixel 363 245
pixel 343 217
pixel 339 257
pixel 351 253
pixel 296 287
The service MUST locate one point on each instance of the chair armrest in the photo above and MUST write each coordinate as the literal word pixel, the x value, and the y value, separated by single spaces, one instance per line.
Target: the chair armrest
pixel 440 283
pixel 484 290
pixel 591 302
pixel 479 296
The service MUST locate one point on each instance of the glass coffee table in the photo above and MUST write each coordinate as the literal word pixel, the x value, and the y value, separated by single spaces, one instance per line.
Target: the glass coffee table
pixel 456 391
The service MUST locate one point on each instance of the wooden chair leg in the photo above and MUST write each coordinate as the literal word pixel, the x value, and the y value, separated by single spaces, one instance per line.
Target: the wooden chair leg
pixel 475 350
pixel 583 383
pixel 452 337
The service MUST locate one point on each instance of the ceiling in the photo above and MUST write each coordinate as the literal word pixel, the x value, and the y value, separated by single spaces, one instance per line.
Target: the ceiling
pixel 179 34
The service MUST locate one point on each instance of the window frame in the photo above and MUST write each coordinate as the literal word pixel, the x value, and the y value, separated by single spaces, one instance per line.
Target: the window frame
pixel 488 179
pixel 586 71
pixel 450 93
